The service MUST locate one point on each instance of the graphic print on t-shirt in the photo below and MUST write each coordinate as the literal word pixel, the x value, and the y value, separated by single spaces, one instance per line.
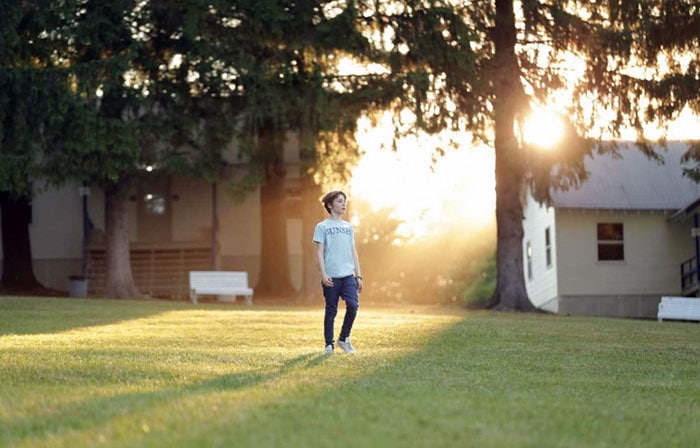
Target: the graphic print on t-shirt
pixel 338 238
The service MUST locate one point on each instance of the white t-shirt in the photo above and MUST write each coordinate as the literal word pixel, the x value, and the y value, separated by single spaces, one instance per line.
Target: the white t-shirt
pixel 338 239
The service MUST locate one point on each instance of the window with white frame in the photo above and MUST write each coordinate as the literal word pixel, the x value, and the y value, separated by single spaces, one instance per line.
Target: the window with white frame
pixel 528 256
pixel 548 247
pixel 611 241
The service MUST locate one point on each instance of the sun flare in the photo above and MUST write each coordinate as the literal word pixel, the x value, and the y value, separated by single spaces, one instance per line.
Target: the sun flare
pixel 456 189
pixel 543 129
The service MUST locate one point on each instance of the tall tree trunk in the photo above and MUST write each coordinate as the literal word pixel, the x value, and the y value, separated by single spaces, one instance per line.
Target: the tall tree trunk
pixel 510 293
pixel 120 281
pixel 17 272
pixel 274 278
pixel 312 214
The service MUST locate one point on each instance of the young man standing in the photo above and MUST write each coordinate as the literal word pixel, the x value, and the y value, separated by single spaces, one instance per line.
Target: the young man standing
pixel 339 264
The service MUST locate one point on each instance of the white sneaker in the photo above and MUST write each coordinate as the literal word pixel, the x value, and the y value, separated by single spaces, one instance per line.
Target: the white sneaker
pixel 346 346
pixel 329 349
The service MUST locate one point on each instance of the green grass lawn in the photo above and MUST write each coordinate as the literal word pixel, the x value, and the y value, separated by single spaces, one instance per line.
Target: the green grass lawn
pixel 76 372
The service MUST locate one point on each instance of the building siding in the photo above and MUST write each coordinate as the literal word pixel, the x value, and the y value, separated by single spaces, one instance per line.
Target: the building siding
pixel 542 288
pixel 642 195
pixel 56 230
pixel 653 249
pixel 191 218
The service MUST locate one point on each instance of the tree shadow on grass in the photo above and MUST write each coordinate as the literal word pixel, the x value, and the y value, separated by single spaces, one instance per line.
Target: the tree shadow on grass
pixel 476 382
pixel 47 315
pixel 305 361
pixel 494 380
pixel 91 414
pixel 198 421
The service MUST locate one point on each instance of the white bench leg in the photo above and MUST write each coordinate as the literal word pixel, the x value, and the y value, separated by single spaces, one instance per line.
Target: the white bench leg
pixel 193 296
pixel 248 300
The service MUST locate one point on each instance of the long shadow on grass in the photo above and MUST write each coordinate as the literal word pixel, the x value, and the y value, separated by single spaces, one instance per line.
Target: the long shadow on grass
pixel 46 315
pixel 482 379
pixel 90 414
pixel 489 380
pixel 446 379
pixel 437 367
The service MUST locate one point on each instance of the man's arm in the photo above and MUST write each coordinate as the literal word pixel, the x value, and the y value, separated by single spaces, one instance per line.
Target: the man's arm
pixel 325 279
pixel 358 271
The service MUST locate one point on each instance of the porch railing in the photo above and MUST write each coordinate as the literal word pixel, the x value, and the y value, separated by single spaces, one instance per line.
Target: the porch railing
pixel 158 270
pixel 689 276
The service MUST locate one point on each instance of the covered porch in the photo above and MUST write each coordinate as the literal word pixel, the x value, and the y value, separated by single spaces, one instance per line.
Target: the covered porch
pixel 690 268
pixel 690 278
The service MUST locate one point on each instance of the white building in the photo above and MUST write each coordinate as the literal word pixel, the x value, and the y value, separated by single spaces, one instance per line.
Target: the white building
pixel 619 242
pixel 170 222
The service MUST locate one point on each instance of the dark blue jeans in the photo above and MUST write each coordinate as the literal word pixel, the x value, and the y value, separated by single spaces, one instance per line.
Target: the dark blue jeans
pixel 345 288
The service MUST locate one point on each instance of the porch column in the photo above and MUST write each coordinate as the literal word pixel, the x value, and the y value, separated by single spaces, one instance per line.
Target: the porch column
pixel 697 251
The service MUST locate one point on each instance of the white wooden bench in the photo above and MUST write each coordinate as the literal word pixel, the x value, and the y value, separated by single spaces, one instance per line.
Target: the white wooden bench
pixel 679 308
pixel 225 284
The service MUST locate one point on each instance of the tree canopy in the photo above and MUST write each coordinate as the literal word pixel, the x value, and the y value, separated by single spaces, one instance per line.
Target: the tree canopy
pixel 33 98
pixel 483 66
pixel 167 83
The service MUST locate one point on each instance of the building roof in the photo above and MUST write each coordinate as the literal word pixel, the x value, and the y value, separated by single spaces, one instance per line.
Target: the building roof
pixel 633 182
pixel 685 212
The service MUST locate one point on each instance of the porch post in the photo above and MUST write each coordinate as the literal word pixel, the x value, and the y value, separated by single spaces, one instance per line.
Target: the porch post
pixel 697 251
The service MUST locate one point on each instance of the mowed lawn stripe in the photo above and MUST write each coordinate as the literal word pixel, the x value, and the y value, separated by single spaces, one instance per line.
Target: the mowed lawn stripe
pixel 153 373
